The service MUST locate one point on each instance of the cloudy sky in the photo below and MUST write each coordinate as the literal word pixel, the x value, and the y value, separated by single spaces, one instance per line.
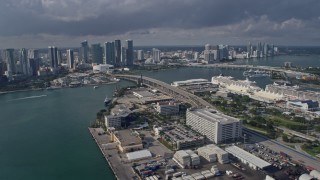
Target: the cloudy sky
pixel 65 23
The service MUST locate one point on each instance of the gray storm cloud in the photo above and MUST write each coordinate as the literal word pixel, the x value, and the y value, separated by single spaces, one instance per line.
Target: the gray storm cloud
pixel 276 20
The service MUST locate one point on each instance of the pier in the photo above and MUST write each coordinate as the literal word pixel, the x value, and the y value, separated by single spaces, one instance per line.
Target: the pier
pixel 120 169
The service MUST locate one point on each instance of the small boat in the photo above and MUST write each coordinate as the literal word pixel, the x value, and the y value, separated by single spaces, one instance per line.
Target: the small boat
pixel 95 87
pixel 107 101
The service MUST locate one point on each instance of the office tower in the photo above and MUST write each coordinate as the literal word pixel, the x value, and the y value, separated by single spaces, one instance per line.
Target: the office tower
pixel 265 49
pixel 84 52
pixel 216 126
pixel 123 56
pixel 96 52
pixel 272 50
pixel 210 56
pixel 140 55
pixel 70 59
pixel 156 55
pixel 129 52
pixel 24 63
pixel 9 59
pixel 34 66
pixel 249 49
pixel 52 55
pixel 33 54
pixel 196 56
pixel 207 47
pixel 117 53
pixel 222 52
pixel 59 56
pixel 109 53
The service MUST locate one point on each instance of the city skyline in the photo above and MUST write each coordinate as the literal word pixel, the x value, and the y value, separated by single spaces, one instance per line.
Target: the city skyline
pixel 65 23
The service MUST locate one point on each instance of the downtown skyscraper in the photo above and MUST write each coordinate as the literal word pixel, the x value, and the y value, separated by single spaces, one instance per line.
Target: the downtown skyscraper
pixel 11 64
pixel 109 53
pixel 84 52
pixel 129 52
pixel 24 63
pixel 53 56
pixel 70 59
pixel 97 53
pixel 117 50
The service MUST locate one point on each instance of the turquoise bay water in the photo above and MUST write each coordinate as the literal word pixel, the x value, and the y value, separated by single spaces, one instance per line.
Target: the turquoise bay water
pixel 46 137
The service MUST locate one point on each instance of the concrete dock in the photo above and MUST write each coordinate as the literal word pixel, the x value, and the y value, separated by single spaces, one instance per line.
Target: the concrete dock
pixel 121 170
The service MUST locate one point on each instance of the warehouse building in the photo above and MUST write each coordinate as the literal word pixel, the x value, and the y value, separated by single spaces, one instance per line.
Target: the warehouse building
pixel 245 157
pixel 127 140
pixel 207 153
pixel 216 126
pixel 186 158
pixel 138 155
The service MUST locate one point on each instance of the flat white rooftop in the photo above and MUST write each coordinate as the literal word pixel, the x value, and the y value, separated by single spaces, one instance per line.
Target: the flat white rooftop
pixel 139 155
pixel 252 159
pixel 214 116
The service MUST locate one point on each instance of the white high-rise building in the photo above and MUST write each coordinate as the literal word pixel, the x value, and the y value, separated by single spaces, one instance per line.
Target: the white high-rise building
pixel 140 54
pixel 216 126
pixel 70 59
pixel 196 56
pixel 156 55
pixel 207 47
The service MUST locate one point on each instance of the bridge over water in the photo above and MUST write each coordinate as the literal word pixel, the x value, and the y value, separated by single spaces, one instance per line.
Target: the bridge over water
pixel 175 92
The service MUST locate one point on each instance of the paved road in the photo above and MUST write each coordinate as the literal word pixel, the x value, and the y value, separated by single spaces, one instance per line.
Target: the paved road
pixel 277 146
pixel 185 96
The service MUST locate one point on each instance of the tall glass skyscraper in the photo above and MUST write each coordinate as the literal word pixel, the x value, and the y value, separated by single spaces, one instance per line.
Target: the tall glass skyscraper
pixel 129 52
pixel 84 50
pixel 109 53
pixel 96 52
pixel 53 56
pixel 70 59
pixel 117 50
pixel 23 58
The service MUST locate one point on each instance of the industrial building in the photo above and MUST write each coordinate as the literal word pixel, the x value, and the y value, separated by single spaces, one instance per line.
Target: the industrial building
pixel 102 68
pixel 190 82
pixel 186 159
pixel 168 108
pixel 138 155
pixel 179 136
pixel 196 86
pixel 207 153
pixel 216 126
pixel 247 158
pixel 127 140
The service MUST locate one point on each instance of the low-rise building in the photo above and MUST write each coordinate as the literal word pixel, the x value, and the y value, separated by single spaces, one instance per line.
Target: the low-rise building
pixel 305 105
pixel 216 126
pixel 186 158
pixel 222 156
pixel 138 155
pixel 168 108
pixel 207 153
pixel 247 158
pixel 127 140
pixel 179 136
pixel 118 116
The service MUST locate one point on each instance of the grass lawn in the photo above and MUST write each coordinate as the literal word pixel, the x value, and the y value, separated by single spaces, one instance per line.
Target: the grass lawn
pixel 314 151
pixel 259 130
pixel 283 121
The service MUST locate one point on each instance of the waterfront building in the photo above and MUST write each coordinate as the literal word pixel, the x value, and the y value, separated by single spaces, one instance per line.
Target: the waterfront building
pixel 70 59
pixel 102 68
pixel 109 53
pixel 129 52
pixel 216 126
pixel 156 55
pixel 117 54
pixel 244 87
pixel 196 56
pixel 127 140
pixel 96 51
pixel 222 52
pixel 140 55
pixel 23 58
pixel 190 82
pixel 34 66
pixel 53 57
pixel 9 59
pixel 84 52
pixel 211 56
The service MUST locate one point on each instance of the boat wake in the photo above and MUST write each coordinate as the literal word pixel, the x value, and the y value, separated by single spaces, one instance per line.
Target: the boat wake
pixel 30 97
